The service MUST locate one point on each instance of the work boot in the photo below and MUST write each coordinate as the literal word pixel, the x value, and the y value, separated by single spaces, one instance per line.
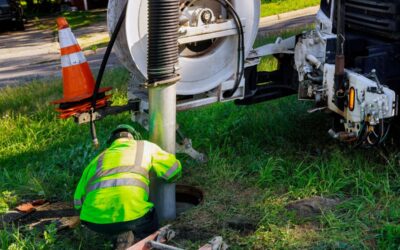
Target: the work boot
pixel 124 241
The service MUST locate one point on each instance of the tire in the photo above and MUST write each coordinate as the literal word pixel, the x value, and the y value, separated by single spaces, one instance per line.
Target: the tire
pixel 20 25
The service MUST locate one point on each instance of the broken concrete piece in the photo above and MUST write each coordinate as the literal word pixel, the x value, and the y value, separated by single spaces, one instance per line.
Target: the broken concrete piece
pixel 313 206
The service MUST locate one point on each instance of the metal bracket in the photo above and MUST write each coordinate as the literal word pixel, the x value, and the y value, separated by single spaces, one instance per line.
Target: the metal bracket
pixel 217 243
pixel 156 240
pixel 185 146
pixel 310 111
pixel 281 46
pixel 162 246
pixel 209 31
pixel 170 81
pixel 83 118
pixel 166 234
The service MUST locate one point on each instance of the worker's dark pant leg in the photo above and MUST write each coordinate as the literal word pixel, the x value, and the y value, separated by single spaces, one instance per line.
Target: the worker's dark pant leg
pixel 141 227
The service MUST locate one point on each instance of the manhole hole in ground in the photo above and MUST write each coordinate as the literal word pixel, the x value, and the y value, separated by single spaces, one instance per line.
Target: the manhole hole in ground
pixel 187 197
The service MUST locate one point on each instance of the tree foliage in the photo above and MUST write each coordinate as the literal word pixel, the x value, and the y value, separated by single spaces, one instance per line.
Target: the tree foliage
pixel 42 6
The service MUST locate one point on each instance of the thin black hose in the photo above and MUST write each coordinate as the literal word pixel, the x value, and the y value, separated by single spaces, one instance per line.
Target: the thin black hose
pixel 388 129
pixel 107 55
pixel 241 49
pixel 101 73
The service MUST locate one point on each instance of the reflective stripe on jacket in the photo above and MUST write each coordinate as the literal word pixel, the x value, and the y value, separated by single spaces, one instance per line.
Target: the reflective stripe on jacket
pixel 114 187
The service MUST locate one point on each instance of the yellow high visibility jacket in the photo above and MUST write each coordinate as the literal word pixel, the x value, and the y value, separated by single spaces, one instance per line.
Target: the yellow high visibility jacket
pixel 114 187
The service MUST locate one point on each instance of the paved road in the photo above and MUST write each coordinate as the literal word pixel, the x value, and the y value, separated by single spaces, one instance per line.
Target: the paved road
pixel 33 54
pixel 294 23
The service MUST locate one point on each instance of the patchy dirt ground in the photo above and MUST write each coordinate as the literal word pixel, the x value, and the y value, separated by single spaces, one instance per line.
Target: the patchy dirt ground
pixel 34 53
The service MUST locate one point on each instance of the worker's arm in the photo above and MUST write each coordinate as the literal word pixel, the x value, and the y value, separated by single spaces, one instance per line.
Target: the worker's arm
pixel 165 164
pixel 80 191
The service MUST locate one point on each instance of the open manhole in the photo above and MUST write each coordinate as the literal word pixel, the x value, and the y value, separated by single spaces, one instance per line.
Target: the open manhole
pixel 187 197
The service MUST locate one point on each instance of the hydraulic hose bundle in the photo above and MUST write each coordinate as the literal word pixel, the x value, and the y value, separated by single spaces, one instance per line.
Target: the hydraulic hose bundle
pixel 241 48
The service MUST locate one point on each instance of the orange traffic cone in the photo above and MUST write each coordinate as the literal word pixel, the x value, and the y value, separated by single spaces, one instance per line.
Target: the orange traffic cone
pixel 78 80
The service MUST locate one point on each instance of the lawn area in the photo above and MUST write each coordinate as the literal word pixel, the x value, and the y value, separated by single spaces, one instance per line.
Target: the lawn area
pixel 274 7
pixel 260 158
pixel 79 19
pixel 76 19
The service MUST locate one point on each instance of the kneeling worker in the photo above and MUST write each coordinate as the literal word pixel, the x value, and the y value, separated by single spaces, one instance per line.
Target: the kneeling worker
pixel 113 193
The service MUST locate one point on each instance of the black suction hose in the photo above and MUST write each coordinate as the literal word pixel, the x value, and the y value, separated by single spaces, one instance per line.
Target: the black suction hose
pixel 163 51
pixel 101 73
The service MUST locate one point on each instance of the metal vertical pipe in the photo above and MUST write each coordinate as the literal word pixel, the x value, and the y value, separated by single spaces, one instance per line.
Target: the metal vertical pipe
pixel 162 59
pixel 162 129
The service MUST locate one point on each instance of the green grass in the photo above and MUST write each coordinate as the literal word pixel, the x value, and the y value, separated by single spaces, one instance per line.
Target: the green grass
pixel 79 19
pixel 76 19
pixel 274 7
pixel 97 45
pixel 260 158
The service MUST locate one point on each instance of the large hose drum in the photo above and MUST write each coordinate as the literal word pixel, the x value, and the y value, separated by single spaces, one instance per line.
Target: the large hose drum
pixel 202 66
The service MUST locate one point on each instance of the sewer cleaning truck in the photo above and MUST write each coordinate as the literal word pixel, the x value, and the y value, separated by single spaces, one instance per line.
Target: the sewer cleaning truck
pixel 189 54
pixel 348 65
